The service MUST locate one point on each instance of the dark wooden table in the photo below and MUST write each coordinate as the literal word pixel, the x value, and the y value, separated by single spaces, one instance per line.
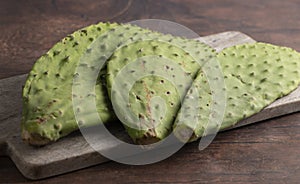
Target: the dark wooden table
pixel 267 152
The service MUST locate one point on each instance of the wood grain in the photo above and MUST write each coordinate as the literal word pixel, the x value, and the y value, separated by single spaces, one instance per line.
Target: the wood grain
pixel 30 27
pixel 262 153
pixel 54 159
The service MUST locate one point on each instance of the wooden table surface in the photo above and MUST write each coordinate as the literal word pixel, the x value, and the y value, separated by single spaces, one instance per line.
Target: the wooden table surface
pixel 267 152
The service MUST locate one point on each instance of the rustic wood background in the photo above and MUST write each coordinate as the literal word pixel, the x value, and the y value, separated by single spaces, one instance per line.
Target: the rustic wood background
pixel 267 152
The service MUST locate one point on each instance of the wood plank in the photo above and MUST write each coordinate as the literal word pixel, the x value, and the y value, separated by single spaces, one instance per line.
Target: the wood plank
pixel 54 159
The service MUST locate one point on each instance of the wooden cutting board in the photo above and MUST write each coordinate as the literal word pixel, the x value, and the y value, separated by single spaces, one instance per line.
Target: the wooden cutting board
pixel 73 152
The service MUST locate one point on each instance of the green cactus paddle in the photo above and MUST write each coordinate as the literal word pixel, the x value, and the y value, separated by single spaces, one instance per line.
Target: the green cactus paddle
pixel 255 75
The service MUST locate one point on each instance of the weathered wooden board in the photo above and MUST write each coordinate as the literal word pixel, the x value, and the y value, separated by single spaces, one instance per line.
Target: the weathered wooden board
pixel 72 153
